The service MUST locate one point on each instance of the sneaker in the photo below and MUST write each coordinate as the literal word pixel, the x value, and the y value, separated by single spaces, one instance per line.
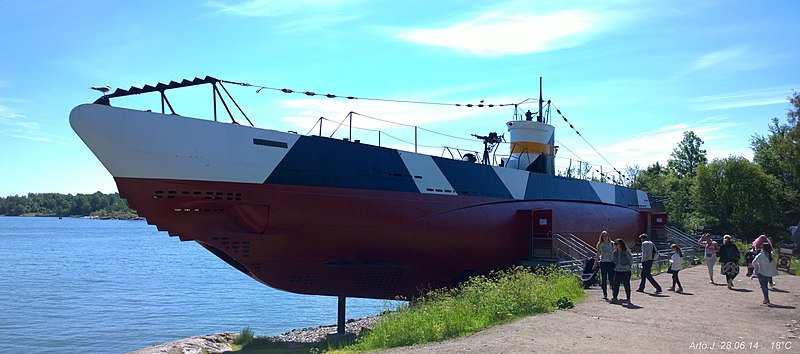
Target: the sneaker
pixel 680 290
pixel 614 301
pixel 671 289
pixel 639 290
pixel 711 282
pixel 658 291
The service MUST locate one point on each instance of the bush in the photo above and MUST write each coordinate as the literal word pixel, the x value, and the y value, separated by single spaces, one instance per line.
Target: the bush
pixel 481 302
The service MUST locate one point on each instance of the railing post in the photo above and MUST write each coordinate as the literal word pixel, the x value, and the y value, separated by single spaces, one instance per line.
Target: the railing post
pixel 415 139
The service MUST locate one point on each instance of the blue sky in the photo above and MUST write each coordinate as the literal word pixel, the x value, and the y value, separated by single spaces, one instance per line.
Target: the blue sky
pixel 630 75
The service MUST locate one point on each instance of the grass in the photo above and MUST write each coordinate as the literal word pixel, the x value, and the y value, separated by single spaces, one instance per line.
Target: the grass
pixel 481 302
pixel 244 338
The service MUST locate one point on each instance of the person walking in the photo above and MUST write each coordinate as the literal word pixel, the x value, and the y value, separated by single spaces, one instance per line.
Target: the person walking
pixel 649 254
pixel 675 266
pixel 710 253
pixel 757 243
pixel 729 260
pixel 622 271
pixel 765 267
pixel 604 250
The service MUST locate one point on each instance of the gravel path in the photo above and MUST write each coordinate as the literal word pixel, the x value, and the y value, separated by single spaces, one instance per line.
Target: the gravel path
pixel 705 317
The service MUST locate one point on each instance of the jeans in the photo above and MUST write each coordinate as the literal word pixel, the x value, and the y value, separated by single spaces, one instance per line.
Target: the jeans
pixel 675 280
pixel 646 275
pixel 763 280
pixel 623 278
pixel 606 275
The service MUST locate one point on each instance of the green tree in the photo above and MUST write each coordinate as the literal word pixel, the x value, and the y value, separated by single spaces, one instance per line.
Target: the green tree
pixel 687 156
pixel 735 196
pixel 55 204
pixel 778 154
pixel 652 179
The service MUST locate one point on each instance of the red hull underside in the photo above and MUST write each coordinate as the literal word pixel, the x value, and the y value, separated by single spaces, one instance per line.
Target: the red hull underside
pixel 359 243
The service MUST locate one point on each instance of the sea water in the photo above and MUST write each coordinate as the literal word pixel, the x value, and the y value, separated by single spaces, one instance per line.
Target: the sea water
pixel 110 286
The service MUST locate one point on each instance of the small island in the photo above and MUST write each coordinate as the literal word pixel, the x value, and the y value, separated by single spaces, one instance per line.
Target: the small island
pixel 97 205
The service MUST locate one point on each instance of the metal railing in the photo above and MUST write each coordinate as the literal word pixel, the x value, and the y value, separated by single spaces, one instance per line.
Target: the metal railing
pixel 682 239
pixel 572 248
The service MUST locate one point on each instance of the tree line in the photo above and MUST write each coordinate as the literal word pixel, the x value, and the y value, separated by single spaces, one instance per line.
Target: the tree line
pixel 55 204
pixel 732 195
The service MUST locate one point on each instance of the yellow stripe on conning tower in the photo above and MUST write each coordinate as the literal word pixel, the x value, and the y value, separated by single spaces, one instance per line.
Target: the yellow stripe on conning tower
pixel 526 147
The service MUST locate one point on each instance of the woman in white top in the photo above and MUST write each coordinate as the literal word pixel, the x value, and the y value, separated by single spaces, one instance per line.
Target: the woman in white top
pixel 765 266
pixel 675 266
pixel 604 249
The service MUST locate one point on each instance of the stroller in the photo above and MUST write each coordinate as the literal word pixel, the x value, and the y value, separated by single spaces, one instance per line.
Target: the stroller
pixel 589 275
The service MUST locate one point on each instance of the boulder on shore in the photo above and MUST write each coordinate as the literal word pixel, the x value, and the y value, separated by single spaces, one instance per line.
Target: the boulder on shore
pixel 213 344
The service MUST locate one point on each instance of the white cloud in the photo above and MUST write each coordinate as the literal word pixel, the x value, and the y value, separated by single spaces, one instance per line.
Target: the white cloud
pixel 744 98
pixel 397 120
pixel 728 62
pixel 19 126
pixel 717 57
pixel 507 32
pixel 307 110
pixel 656 145
pixel 270 8
pixel 295 15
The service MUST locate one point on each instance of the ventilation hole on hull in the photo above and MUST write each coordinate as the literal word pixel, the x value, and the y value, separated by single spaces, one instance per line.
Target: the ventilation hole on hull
pixel 306 280
pixel 378 283
pixel 245 249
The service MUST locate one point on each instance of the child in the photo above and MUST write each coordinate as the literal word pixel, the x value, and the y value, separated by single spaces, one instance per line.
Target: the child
pixel 675 265
pixel 749 256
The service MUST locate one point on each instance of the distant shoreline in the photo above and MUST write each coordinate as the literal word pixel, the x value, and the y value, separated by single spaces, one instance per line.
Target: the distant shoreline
pixel 93 217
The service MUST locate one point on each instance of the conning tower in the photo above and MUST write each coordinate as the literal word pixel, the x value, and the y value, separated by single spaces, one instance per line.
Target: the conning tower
pixel 532 142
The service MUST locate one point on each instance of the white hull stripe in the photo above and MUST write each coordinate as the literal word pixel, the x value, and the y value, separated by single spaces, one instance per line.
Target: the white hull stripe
pixel 606 192
pixel 427 176
pixel 515 181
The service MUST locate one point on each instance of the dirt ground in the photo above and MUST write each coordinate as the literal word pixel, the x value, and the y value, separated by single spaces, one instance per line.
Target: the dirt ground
pixel 705 317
